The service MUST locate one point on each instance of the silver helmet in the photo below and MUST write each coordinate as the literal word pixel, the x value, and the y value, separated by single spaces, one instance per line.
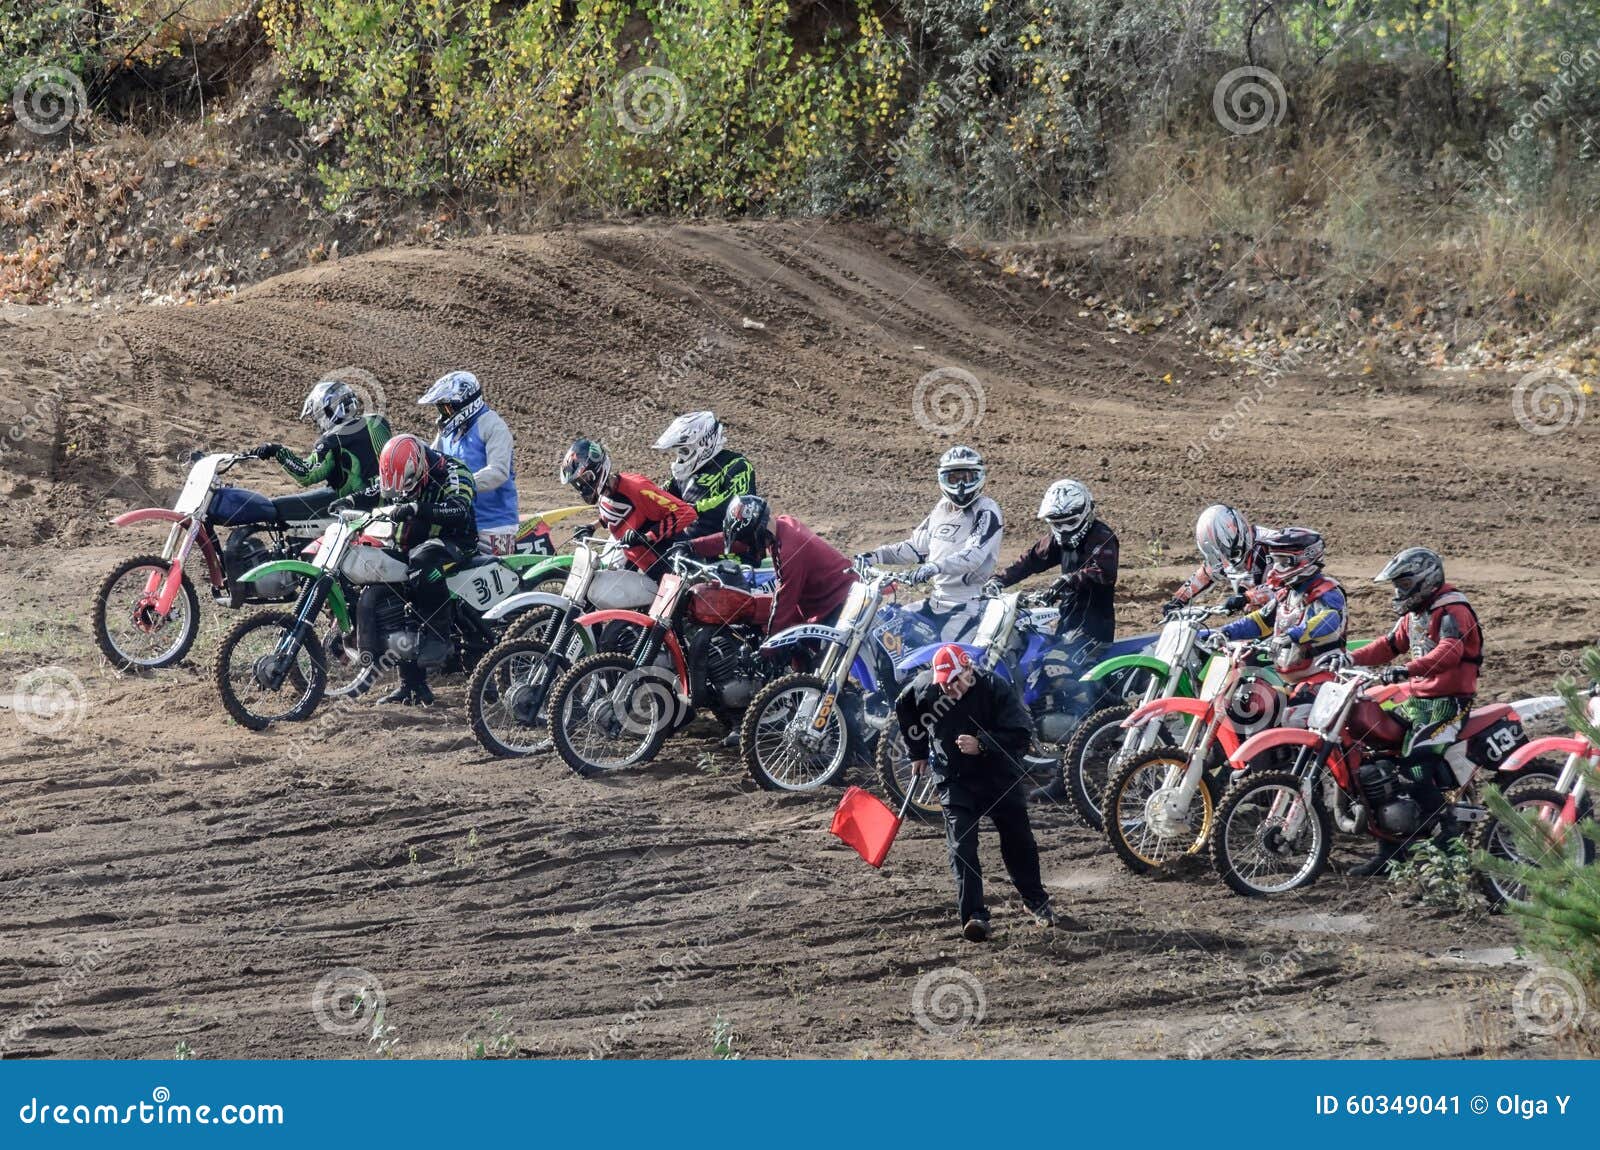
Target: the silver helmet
pixel 1224 537
pixel 1068 508
pixel 1417 574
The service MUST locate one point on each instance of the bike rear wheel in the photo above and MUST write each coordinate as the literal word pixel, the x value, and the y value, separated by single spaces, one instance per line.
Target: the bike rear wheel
pixel 1539 800
pixel 127 628
pixel 244 666
pixel 607 713
pixel 1267 839
pixel 780 748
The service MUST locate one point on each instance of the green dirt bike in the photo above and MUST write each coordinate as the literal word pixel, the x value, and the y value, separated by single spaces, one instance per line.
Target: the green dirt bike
pixel 273 666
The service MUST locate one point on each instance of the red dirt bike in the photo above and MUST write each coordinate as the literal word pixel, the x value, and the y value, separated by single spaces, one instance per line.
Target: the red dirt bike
pixel 697 647
pixel 1273 828
pixel 1160 803
pixel 146 611
pixel 1559 805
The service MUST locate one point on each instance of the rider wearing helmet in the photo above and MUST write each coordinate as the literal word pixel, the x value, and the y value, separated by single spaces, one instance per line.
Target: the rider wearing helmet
pixel 1439 636
pixel 813 579
pixel 436 527
pixel 956 547
pixel 705 472
pixel 474 433
pixel 1306 613
pixel 345 455
pixel 645 519
pixel 1230 550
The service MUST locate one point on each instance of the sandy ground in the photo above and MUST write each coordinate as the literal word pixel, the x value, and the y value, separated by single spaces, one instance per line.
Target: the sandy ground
pixel 169 878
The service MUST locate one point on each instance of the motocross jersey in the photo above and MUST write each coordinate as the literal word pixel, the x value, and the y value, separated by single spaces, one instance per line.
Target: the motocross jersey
pixel 346 460
pixel 963 543
pixel 1088 581
pixel 483 442
pixel 1251 582
pixel 813 578
pixel 636 504
pixel 1443 641
pixel 1306 620
pixel 444 506
pixel 711 488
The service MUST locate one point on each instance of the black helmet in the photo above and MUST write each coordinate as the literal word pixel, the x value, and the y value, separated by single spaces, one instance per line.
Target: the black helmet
pixel 1417 574
pixel 587 469
pixel 1294 554
pixel 746 522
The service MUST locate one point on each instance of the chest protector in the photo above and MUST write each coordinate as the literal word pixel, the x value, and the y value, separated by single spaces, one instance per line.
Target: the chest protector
pixel 1423 627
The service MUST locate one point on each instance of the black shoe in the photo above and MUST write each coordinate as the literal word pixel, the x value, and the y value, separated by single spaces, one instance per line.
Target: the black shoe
pixel 1044 915
pixel 1379 863
pixel 1053 792
pixel 976 930
pixel 730 741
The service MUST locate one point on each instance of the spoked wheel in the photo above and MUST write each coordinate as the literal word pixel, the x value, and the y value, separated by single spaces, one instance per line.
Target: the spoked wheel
pixel 258 685
pixel 534 623
pixel 894 772
pixel 607 713
pixel 129 629
pixel 1541 802
pixel 1146 818
pixel 509 690
pixel 779 742
pixel 1267 839
pixel 350 674
pixel 1088 759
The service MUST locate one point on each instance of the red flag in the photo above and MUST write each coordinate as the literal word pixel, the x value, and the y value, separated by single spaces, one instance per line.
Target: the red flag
pixel 865 824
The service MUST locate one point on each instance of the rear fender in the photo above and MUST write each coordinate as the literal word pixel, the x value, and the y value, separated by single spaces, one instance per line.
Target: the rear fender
pixel 1127 663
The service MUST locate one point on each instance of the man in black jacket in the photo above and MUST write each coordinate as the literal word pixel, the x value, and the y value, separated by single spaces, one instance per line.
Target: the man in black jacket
pixel 974 730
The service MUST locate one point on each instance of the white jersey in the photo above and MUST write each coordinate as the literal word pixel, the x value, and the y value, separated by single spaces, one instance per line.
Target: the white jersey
pixel 962 542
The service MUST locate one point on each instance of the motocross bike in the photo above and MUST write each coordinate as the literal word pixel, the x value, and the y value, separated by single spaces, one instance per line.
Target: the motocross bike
pixel 1159 802
pixel 1104 741
pixel 1558 805
pixel 1273 829
pixel 1015 635
pixel 272 667
pixel 803 730
pixel 697 647
pixel 146 612
pixel 510 685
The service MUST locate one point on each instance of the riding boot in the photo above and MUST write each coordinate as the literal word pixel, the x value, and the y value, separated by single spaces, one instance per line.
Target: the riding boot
pixel 1055 791
pixel 413 689
pixel 1388 853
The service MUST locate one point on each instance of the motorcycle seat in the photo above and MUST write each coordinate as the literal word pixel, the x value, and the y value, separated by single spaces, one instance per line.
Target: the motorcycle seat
pixel 300 507
pixel 239 506
pixel 477 561
pixel 1481 718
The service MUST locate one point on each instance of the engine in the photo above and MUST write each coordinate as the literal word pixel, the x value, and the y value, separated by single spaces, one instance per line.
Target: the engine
pixel 1392 806
pixel 244 550
pixel 728 670
pixel 404 639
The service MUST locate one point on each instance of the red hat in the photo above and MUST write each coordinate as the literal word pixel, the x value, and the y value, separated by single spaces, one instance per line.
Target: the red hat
pixel 948 662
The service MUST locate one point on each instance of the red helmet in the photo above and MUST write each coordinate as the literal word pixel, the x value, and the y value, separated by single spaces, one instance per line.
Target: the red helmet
pixel 402 467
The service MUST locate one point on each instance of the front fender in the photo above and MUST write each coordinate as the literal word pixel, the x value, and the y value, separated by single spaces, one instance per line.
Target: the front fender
pixel 804 633
pixel 923 655
pixel 1132 663
pixel 547 565
pixel 149 515
pixel 521 602
pixel 616 615
pixel 1562 745
pixel 1199 708
pixel 281 566
pixel 1268 739
pixel 556 515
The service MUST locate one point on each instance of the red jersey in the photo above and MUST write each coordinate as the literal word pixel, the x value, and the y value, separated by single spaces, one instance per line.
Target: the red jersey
pixel 1444 642
pixel 636 504
pixel 813 577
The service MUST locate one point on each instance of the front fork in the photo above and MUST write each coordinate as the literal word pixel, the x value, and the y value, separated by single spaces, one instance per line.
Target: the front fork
pixel 162 588
pixel 1140 739
pixel 1292 812
pixel 296 636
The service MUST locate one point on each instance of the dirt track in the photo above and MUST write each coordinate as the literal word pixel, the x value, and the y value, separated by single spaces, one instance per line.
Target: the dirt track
pixel 168 877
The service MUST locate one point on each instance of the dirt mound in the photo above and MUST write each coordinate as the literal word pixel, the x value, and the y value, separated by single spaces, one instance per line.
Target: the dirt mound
pixel 169 879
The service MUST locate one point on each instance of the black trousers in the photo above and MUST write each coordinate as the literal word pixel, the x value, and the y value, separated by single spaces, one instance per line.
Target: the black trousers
pixel 1006 805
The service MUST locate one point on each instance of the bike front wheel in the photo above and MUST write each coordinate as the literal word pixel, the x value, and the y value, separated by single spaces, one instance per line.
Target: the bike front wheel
pixel 1268 838
pixel 779 741
pixel 262 684
pixel 608 713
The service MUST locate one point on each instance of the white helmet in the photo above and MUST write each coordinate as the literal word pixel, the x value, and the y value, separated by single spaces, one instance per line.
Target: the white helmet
pixel 1068 508
pixel 961 475
pixel 1224 537
pixel 332 404
pixel 694 439
pixel 459 397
